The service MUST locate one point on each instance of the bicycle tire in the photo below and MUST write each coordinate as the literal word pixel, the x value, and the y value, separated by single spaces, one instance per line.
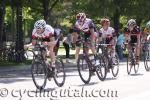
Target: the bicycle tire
pixel 80 68
pixel 115 73
pixel 35 67
pixel 147 60
pixel 136 68
pixel 100 74
pixel 59 67
pixel 129 66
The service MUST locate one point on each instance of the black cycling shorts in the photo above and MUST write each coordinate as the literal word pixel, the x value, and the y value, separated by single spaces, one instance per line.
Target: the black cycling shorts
pixel 134 39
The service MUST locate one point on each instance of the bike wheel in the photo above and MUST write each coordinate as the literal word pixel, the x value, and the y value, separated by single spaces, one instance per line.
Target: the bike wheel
pixel 39 74
pixel 83 69
pixel 101 68
pixel 60 74
pixel 115 66
pixel 136 68
pixel 129 65
pixel 147 60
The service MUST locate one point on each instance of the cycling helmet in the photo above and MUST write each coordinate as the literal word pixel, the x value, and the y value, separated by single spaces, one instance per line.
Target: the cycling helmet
pixel 131 22
pixel 105 20
pixel 81 16
pixel 40 24
pixel 148 25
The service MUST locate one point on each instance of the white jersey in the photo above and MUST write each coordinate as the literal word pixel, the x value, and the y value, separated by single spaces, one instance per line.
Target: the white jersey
pixel 58 31
pixel 109 32
pixel 85 27
pixel 48 32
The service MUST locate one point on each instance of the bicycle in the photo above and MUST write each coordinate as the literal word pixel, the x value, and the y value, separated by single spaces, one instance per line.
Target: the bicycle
pixel 131 59
pixel 41 69
pixel 146 50
pixel 112 63
pixel 86 66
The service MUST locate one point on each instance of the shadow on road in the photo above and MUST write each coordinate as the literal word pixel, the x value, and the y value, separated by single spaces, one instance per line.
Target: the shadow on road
pixel 89 84
pixel 8 77
pixel 110 78
pixel 136 74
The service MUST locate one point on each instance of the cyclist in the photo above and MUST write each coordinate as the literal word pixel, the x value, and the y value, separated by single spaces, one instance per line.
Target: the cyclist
pixel 147 32
pixel 86 26
pixel 132 35
pixel 46 33
pixel 107 35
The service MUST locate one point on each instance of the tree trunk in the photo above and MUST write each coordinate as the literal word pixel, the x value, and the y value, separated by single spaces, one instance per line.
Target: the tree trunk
pixel 45 6
pixel 19 41
pixel 116 21
pixel 2 13
pixel 138 21
pixel 13 29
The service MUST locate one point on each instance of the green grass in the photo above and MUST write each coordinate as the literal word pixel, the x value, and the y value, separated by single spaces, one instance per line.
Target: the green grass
pixel 61 53
pixel 10 64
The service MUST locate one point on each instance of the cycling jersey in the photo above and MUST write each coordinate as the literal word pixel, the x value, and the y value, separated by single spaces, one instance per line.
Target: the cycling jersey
pixel 146 33
pixel 58 31
pixel 48 32
pixel 134 34
pixel 108 34
pixel 85 26
pixel 136 30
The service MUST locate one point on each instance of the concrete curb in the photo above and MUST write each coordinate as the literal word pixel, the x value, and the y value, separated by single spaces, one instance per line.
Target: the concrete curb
pixel 26 68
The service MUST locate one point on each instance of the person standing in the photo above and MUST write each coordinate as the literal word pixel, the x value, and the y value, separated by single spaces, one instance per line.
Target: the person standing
pixel 120 44
pixel 67 42
pixel 58 36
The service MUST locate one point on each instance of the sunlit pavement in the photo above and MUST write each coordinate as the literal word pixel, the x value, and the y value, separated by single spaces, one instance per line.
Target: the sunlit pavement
pixel 18 85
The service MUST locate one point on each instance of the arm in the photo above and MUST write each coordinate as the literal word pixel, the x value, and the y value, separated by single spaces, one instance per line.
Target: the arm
pixel 99 37
pixel 30 44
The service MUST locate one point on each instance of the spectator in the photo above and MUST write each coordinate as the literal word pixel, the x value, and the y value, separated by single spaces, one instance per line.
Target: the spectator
pixel 58 35
pixel 120 44
pixel 67 44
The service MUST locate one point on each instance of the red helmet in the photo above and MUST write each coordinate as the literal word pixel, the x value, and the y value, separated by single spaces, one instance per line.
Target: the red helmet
pixel 105 20
pixel 81 16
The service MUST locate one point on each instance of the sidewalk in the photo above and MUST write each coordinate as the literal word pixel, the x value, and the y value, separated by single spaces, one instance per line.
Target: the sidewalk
pixel 20 67
pixel 24 67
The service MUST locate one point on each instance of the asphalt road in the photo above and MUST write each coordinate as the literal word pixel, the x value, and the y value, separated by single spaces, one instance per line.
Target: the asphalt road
pixel 18 85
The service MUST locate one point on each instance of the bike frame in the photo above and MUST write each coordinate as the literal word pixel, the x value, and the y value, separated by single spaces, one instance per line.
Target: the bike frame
pixel 85 54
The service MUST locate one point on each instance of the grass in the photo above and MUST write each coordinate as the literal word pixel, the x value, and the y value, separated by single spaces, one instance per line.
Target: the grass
pixel 61 53
pixel 10 64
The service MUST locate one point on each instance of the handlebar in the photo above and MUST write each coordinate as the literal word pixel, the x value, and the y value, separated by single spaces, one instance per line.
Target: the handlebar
pixel 105 45
pixel 130 43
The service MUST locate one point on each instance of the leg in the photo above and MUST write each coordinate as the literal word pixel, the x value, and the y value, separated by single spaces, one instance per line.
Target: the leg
pixel 52 54
pixel 67 49
pixel 56 48
pixel 78 46
pixel 77 53
pixel 138 49
pixel 120 52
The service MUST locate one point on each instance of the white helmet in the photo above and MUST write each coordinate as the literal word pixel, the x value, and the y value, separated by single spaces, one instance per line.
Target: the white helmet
pixel 131 22
pixel 40 24
pixel 148 25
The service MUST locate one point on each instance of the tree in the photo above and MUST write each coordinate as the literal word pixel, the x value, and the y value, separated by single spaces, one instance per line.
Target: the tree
pixel 19 41
pixel 2 13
